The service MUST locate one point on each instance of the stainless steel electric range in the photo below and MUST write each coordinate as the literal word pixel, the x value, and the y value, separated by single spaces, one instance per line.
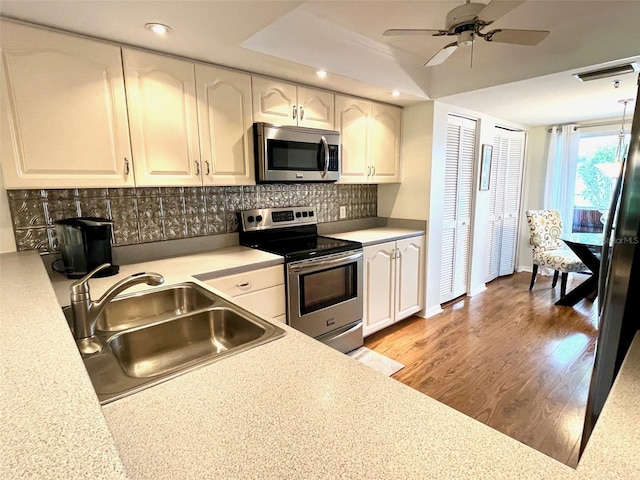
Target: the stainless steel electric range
pixel 323 275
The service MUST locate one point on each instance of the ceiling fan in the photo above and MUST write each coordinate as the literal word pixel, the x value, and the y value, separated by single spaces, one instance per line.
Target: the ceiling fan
pixel 467 21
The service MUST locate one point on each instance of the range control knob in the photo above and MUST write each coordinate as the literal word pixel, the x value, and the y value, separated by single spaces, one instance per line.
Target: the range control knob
pixel 298 214
pixel 311 213
pixel 258 218
pixel 250 219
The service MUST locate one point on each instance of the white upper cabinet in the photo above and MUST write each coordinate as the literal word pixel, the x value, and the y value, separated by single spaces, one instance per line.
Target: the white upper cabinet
pixel 370 138
pixel 64 119
pixel 161 96
pixel 283 103
pixel 225 122
pixel 352 120
pixel 385 143
pixel 315 108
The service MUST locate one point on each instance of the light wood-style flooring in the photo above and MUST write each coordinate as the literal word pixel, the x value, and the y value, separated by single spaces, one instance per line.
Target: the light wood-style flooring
pixel 508 358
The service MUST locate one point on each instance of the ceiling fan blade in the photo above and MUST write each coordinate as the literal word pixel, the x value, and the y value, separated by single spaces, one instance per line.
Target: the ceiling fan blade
pixel 442 55
pixel 496 9
pixel 413 31
pixel 517 37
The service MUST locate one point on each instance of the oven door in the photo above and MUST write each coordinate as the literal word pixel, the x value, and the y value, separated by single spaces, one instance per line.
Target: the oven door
pixel 295 154
pixel 325 294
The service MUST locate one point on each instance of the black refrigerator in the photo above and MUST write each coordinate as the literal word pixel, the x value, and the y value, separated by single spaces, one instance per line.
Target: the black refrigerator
pixel 619 289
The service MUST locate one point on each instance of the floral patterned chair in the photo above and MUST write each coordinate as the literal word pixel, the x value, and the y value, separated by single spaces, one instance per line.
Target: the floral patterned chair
pixel 546 227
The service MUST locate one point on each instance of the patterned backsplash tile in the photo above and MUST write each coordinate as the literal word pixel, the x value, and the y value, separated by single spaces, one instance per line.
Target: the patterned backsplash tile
pixel 143 215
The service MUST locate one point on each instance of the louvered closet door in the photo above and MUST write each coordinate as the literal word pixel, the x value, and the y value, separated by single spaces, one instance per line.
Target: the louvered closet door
pixel 456 218
pixel 496 197
pixel 513 178
pixel 504 202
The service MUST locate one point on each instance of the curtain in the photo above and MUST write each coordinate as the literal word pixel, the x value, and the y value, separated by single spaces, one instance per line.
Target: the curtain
pixel 562 159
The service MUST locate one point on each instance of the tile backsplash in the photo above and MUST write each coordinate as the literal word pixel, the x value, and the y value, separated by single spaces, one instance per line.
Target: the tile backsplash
pixel 143 215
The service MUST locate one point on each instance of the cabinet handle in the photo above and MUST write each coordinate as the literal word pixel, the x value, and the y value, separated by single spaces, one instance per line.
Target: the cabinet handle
pixel 368 171
pixel 374 171
pixel 197 167
pixel 126 166
pixel 208 167
pixel 244 286
pixel 301 113
pixel 295 111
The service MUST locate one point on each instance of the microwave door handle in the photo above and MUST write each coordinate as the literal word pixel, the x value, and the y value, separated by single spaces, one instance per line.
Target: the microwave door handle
pixel 325 145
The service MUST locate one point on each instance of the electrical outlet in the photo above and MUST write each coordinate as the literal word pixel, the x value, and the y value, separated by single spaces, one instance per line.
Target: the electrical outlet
pixel 343 211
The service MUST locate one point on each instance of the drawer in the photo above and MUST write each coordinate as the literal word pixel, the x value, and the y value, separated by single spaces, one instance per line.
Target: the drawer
pixel 247 282
pixel 269 302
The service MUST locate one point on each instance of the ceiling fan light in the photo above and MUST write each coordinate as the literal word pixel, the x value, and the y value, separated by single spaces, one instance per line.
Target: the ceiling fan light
pixel 465 38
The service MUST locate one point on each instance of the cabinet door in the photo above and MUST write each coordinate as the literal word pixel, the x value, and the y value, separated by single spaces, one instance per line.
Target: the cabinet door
pixel 161 98
pixel 352 120
pixel 273 101
pixel 315 108
pixel 385 143
pixel 269 302
pixel 225 120
pixel 64 118
pixel 379 287
pixel 409 278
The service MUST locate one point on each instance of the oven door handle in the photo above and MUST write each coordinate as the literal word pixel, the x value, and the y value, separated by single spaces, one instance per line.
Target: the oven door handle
pixel 325 146
pixel 315 265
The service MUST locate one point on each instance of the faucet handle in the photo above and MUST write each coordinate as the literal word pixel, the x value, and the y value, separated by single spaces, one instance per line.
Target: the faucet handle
pixel 82 285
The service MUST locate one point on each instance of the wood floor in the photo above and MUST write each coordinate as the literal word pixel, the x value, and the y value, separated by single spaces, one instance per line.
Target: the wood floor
pixel 508 358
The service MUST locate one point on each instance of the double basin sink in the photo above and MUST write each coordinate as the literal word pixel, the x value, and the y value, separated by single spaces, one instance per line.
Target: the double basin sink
pixel 150 337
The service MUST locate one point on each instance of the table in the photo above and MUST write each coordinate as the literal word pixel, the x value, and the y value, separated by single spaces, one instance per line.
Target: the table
pixel 583 245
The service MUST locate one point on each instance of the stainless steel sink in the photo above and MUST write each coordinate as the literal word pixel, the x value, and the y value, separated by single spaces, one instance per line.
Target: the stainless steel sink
pixel 146 307
pixel 151 337
pixel 162 348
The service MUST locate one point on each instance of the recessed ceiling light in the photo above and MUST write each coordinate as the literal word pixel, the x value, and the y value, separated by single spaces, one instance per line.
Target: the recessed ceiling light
pixel 395 93
pixel 158 28
pixel 321 73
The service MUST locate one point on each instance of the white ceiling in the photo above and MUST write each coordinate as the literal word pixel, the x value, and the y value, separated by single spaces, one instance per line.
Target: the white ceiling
pixel 291 39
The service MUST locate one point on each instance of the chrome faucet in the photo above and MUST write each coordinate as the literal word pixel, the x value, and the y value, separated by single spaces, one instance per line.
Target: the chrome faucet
pixel 86 312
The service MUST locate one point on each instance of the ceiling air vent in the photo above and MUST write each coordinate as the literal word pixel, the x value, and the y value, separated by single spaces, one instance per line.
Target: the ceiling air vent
pixel 607 72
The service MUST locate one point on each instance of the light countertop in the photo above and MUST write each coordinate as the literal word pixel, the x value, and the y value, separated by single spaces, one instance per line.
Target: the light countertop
pixel 372 236
pixel 292 408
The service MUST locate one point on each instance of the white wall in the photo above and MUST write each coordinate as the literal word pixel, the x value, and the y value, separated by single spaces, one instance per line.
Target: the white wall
pixel 532 191
pixel 410 199
pixel 422 188
pixel 7 239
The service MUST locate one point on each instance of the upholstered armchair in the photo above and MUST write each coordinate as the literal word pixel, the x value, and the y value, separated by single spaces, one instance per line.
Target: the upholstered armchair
pixel 546 227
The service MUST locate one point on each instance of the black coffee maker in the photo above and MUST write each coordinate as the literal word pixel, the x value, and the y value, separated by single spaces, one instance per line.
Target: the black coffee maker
pixel 85 244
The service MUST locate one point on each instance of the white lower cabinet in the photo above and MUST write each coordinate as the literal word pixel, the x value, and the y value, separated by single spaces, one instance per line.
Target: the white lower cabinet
pixel 393 282
pixel 259 291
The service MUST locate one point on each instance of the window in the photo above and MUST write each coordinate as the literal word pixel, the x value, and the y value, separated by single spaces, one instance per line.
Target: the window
pixel 596 175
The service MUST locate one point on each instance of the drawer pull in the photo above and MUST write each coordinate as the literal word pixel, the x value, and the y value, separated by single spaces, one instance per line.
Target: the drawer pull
pixel 244 285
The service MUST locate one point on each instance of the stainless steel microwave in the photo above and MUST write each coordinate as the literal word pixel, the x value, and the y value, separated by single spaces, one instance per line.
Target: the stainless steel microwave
pixel 296 154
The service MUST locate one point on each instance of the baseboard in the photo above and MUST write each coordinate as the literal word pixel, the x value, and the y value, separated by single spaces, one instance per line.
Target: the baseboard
pixel 524 268
pixel 433 311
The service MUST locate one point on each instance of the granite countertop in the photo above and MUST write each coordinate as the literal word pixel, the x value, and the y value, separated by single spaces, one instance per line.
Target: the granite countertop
pixel 224 261
pixel 372 236
pixel 292 408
